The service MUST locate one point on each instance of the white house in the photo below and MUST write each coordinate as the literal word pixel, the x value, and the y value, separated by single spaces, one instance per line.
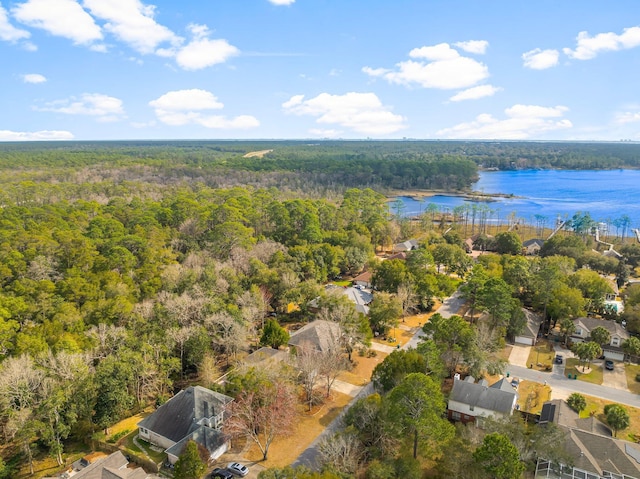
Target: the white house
pixel 470 401
pixel 194 413
pixel 613 350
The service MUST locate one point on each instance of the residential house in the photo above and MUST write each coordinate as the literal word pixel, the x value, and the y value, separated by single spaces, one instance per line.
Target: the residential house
pixel 264 357
pixel 356 295
pixel 114 466
pixel 194 413
pixel 401 256
pixel 529 335
pixel 532 246
pixel 613 350
pixel 363 279
pixel 594 453
pixel 408 245
pixel 319 335
pixel 470 401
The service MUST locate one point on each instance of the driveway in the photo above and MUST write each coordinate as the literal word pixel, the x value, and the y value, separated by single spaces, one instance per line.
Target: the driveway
pixel 519 355
pixel 616 379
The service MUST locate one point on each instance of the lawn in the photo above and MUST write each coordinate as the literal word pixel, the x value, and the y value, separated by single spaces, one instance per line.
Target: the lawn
pixel 596 406
pixel 593 375
pixel 632 370
pixel 541 356
pixel 532 395
pixel 285 450
pixel 361 372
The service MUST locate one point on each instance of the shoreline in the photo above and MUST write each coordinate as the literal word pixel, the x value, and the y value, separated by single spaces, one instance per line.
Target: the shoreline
pixel 476 196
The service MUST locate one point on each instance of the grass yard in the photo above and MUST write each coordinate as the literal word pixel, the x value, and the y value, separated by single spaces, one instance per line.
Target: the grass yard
pixel 361 373
pixel 284 450
pixel 593 375
pixel 632 370
pixel 596 406
pixel 532 395
pixel 541 356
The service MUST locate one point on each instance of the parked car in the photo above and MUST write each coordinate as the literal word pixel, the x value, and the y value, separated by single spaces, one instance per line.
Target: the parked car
pixel 515 382
pixel 221 474
pixel 559 359
pixel 608 364
pixel 237 469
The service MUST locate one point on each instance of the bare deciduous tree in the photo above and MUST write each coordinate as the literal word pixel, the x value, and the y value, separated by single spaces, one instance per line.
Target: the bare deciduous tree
pixel 263 414
pixel 343 451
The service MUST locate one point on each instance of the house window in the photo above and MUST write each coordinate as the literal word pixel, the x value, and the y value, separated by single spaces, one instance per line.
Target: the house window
pixel 579 331
pixel 455 415
pixel 143 430
pixel 615 341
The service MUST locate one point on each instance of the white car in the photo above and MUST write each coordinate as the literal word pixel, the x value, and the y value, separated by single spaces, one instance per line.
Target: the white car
pixel 237 469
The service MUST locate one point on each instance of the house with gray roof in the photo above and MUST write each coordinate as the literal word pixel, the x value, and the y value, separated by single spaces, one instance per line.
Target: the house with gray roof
pixel 319 335
pixel 529 335
pixel 408 245
pixel 613 350
pixel 113 466
pixel 594 453
pixel 196 413
pixel 470 401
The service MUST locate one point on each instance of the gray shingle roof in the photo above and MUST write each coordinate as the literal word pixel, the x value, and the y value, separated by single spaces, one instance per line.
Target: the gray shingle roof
pixel 320 335
pixel 613 327
pixel 490 398
pixel 177 418
pixel 208 437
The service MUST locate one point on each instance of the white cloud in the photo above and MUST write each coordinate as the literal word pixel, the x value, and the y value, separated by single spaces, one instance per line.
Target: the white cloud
pixel 475 92
pixel 203 52
pixel 282 2
pixel 521 122
pixel 361 112
pixel 104 107
pixel 184 107
pixel 8 32
pixel 8 135
pixel 33 78
pixel 132 22
pixel 627 117
pixel 538 59
pixel 588 47
pixel 478 47
pixel 63 18
pixel 444 69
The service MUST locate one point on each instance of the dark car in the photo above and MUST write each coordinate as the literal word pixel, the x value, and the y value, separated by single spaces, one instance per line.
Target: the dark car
pixel 608 364
pixel 221 474
pixel 559 359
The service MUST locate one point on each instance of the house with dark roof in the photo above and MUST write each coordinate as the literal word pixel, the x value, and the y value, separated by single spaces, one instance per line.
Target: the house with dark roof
pixel 613 350
pixel 470 401
pixel 318 335
pixel 532 246
pixel 194 413
pixel 594 453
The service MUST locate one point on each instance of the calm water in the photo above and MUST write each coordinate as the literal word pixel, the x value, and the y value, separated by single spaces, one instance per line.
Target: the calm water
pixel 606 195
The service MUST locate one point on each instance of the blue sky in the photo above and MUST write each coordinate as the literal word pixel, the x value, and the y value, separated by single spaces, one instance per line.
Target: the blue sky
pixel 280 69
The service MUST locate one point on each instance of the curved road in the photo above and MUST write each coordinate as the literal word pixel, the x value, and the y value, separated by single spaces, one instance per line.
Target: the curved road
pixel 309 456
pixel 556 379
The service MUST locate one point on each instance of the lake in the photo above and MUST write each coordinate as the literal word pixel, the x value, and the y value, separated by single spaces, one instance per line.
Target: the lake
pixel 606 194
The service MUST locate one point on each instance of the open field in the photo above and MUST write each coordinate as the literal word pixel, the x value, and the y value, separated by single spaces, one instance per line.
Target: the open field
pixel 256 154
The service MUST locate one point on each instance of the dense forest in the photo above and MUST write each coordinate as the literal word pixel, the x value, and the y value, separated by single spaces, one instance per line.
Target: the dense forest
pixel 131 269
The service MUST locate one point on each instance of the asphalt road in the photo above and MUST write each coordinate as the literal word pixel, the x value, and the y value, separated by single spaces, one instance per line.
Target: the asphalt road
pixel 558 382
pixel 309 456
